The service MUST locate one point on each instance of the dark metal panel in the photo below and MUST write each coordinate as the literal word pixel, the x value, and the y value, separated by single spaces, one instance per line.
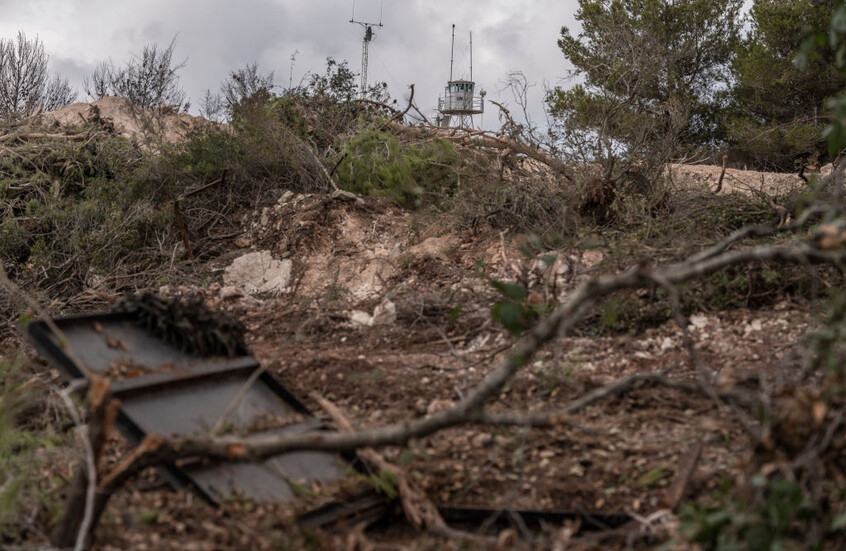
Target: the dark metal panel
pixel 277 479
pixel 588 521
pixel 102 341
pixel 171 392
pixel 195 407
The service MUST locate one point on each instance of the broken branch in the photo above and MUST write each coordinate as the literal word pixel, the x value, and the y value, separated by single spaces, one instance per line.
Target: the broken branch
pixel 256 448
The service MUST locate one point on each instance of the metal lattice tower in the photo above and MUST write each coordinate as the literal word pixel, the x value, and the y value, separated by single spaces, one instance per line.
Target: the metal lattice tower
pixel 369 35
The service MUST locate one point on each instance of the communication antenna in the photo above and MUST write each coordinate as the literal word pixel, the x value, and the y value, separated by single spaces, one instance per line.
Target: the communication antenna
pixel 452 52
pixel 291 74
pixel 369 35
pixel 471 56
pixel 459 102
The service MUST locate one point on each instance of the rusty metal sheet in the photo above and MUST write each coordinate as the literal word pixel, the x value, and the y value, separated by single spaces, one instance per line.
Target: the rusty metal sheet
pixel 164 390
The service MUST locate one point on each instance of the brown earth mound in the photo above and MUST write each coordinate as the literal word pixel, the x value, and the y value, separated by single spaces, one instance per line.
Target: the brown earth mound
pixel 119 114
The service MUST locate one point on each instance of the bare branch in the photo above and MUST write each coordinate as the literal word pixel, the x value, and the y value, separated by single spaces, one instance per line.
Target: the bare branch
pixel 24 80
pixel 233 448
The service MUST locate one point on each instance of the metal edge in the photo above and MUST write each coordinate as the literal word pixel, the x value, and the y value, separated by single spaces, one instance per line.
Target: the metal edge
pixel 590 521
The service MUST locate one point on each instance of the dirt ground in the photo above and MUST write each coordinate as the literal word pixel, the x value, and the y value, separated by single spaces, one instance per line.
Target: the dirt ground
pixel 616 457
pixel 124 120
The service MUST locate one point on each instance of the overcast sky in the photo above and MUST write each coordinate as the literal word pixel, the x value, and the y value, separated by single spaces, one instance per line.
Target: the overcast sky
pixel 217 36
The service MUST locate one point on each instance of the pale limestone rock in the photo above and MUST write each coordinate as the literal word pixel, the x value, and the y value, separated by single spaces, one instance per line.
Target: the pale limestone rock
pixel 258 272
pixel 698 321
pixel 361 318
pixel 385 313
pixel 592 257
pixel 435 247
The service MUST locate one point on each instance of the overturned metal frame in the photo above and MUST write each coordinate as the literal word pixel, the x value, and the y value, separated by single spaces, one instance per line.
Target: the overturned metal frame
pixel 174 392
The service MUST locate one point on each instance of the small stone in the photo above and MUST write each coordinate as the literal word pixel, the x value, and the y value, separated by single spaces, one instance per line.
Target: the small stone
pixel 385 313
pixel 285 197
pixel 592 257
pixel 481 440
pixel 698 321
pixel 438 405
pixel 361 318
pixel 753 326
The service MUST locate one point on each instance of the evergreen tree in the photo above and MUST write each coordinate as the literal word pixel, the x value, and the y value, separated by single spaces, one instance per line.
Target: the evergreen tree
pixel 654 78
pixel 778 117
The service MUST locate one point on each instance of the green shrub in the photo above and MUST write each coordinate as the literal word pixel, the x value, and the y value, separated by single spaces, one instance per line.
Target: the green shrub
pixel 263 149
pixel 379 164
pixel 25 441
pixel 775 519
pixel 73 206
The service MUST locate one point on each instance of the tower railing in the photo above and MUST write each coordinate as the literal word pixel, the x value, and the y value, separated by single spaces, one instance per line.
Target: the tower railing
pixel 457 104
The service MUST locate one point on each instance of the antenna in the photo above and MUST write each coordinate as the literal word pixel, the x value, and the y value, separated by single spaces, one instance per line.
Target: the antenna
pixel 452 52
pixel 291 74
pixel 471 56
pixel 459 102
pixel 369 35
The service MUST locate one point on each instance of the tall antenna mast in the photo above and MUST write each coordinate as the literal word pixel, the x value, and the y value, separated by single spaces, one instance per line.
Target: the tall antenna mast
pixel 460 102
pixel 365 45
pixel 291 74
pixel 471 55
pixel 452 51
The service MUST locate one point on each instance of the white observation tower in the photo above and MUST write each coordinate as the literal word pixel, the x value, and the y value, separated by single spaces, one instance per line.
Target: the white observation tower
pixel 459 100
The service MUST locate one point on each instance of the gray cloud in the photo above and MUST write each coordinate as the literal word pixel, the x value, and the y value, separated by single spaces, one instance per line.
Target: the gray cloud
pixel 218 36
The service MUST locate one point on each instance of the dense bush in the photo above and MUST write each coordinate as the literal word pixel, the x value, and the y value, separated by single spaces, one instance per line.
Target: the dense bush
pixel 264 148
pixel 72 208
pixel 377 163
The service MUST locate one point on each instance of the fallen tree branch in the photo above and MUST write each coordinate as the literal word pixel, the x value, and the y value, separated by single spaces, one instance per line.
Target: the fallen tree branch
pixel 564 415
pixel 220 180
pixel 78 518
pixel 156 450
pixel 41 136
pixel 399 115
pixel 763 230
pixel 418 509
pixel 379 104
pixel 684 472
pixel 483 139
pixel 419 112
pixel 256 448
